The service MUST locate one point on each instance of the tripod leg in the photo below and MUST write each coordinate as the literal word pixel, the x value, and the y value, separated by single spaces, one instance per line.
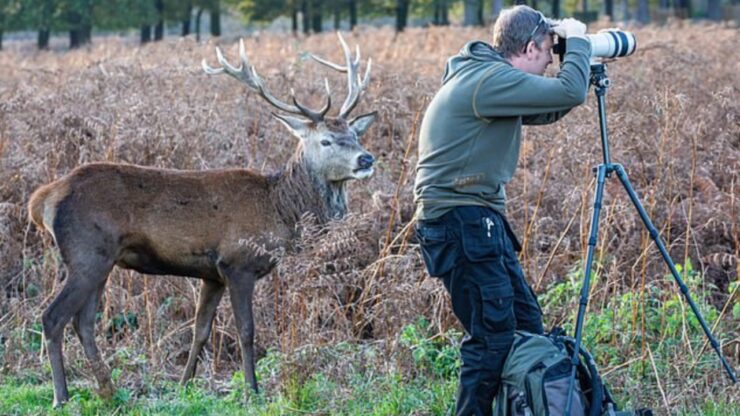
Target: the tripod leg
pixel 622 175
pixel 601 172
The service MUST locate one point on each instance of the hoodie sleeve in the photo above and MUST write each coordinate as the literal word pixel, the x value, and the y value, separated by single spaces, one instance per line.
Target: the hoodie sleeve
pixel 504 91
pixel 544 118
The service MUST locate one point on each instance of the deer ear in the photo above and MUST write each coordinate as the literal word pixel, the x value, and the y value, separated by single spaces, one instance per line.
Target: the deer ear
pixel 297 126
pixel 360 124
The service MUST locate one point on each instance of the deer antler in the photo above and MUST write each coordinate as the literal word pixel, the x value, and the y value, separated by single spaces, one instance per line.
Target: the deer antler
pixel 247 74
pixel 355 85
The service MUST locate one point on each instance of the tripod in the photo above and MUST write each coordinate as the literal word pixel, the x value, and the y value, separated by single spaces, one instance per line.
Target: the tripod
pixel 601 83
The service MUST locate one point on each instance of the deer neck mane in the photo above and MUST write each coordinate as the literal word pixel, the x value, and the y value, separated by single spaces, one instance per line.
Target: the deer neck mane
pixel 298 190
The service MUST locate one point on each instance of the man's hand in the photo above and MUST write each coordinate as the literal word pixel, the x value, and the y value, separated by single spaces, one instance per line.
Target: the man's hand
pixel 569 28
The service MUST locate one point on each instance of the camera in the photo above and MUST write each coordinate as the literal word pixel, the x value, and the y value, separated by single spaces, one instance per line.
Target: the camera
pixel 608 43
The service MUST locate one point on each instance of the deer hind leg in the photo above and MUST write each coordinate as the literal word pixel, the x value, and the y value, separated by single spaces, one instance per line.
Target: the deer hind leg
pixel 208 300
pixel 82 283
pixel 84 325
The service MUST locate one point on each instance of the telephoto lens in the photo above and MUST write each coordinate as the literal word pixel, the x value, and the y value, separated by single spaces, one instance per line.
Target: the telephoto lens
pixel 612 43
pixel 608 43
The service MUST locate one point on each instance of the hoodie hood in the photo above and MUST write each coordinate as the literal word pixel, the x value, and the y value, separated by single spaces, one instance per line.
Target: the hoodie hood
pixel 472 53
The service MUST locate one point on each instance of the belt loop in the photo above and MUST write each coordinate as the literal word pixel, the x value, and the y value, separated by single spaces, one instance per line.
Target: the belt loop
pixel 514 240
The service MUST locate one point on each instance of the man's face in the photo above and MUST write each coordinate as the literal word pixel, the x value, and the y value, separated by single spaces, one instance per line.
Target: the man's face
pixel 534 60
pixel 539 58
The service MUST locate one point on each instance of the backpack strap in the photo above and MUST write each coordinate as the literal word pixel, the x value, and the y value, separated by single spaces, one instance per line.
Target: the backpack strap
pixel 598 392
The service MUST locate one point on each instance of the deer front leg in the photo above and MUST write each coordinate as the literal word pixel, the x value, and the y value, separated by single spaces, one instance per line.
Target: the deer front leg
pixel 241 302
pixel 240 281
pixel 208 300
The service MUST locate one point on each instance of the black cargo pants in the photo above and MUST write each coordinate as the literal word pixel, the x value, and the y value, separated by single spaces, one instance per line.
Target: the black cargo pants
pixel 473 250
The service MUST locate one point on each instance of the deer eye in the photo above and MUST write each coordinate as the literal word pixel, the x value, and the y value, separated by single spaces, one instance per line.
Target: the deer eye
pixel 325 143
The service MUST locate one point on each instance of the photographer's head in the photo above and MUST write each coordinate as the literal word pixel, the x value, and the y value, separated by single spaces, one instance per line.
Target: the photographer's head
pixel 524 37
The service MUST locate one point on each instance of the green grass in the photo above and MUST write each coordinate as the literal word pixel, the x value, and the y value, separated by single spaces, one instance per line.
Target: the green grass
pixel 383 395
pixel 419 378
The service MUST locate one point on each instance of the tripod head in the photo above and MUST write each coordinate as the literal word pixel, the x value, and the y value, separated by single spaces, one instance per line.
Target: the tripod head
pixel 598 77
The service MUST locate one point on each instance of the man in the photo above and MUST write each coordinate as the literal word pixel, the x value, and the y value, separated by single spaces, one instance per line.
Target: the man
pixel 468 149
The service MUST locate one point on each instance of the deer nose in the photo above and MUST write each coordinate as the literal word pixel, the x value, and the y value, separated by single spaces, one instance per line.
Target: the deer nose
pixel 365 161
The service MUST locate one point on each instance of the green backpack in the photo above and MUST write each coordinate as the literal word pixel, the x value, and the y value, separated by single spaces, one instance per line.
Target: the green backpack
pixel 535 379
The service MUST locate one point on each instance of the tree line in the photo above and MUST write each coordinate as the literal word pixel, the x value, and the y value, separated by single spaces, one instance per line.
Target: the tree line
pixel 79 17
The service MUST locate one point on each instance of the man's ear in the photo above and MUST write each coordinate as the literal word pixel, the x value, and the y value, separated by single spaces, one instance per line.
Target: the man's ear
pixel 360 124
pixel 530 49
pixel 297 126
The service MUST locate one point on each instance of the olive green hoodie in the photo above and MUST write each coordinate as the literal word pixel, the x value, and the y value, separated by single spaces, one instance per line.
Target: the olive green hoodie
pixel 471 133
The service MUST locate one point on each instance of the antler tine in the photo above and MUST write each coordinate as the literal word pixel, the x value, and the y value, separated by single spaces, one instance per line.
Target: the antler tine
pixel 247 74
pixel 326 108
pixel 314 115
pixel 355 84
pixel 331 65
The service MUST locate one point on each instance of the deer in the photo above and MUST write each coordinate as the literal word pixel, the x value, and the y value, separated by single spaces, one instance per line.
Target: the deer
pixel 220 225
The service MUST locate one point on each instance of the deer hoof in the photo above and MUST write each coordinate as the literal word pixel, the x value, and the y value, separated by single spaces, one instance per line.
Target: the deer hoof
pixel 58 404
pixel 106 391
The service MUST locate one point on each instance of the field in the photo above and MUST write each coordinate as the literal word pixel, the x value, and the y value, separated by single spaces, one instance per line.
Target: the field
pixel 351 324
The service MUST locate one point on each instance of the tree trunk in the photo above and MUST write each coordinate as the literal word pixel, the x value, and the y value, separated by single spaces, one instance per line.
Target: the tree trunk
pixel 643 11
pixel 294 19
pixel 197 24
pixel 44 24
pixel 159 27
pixel 471 11
pixel 352 14
pixel 187 17
pixel 556 9
pixel 683 8
pixel 496 7
pixel 714 10
pixel 42 41
pixel 337 16
pixel 402 12
pixel 146 34
pixel 316 16
pixel 306 17
pixel 80 31
pixel 626 10
pixel 441 12
pixel 609 9
pixel 216 19
pixel 86 23
pixel 75 20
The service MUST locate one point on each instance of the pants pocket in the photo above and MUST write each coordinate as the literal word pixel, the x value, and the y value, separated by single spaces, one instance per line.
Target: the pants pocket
pixel 498 308
pixel 438 250
pixel 482 238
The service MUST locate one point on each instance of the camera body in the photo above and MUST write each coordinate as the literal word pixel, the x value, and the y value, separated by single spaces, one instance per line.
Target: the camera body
pixel 608 43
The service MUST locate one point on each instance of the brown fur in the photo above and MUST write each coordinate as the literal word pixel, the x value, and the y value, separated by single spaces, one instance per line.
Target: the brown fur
pixel 220 226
